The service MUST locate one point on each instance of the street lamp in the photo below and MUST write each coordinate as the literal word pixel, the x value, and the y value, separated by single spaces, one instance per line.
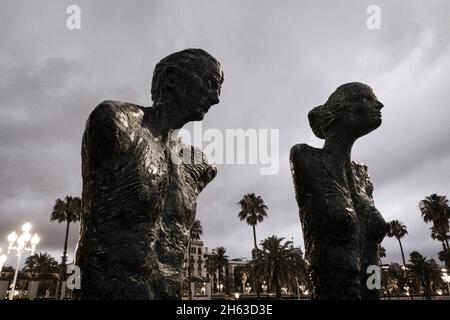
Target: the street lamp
pixel 23 243
pixel 2 259
pixel 407 290
pixel 264 286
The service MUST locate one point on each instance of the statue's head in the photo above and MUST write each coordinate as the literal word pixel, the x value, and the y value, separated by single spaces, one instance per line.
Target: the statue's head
pixel 192 78
pixel 352 108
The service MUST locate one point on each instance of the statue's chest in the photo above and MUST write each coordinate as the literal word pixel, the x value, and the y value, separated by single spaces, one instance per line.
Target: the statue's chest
pixel 350 189
pixel 356 190
pixel 151 160
pixel 184 178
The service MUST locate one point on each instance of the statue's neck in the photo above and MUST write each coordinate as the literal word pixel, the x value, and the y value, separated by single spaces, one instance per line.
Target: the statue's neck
pixel 163 120
pixel 340 148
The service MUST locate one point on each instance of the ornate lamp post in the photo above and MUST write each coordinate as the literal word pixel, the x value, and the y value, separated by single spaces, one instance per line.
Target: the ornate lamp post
pixel 23 243
pixel 2 259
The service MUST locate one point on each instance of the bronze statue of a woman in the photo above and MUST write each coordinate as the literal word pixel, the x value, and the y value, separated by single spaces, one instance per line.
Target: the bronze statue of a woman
pixel 342 228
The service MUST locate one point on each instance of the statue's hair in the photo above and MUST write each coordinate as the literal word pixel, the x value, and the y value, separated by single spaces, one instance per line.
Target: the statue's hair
pixel 322 118
pixel 188 60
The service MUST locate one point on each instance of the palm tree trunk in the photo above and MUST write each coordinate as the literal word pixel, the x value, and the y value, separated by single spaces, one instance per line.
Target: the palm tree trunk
pixel 256 258
pixel 64 260
pixel 444 249
pixel 403 255
pixel 428 290
pixel 254 241
pixel 278 290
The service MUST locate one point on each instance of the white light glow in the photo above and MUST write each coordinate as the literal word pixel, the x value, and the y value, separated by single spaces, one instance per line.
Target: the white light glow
pixel 35 240
pixel 12 237
pixel 26 227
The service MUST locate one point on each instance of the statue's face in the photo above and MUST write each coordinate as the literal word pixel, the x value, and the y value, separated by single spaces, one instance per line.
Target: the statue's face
pixel 362 111
pixel 201 92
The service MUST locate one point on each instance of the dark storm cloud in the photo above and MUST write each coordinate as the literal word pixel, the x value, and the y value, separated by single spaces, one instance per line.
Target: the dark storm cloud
pixel 280 61
pixel 41 127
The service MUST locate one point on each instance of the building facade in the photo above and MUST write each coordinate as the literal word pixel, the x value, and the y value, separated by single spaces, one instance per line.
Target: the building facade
pixel 197 261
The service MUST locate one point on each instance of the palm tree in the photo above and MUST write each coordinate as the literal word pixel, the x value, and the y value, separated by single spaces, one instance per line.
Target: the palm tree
pixel 444 255
pixel 424 273
pixel 68 211
pixel 437 235
pixel 302 278
pixel 221 260
pixel 253 211
pixel 278 263
pixel 41 263
pixel 194 234
pixel 398 273
pixel 398 230
pixel 435 209
pixel 8 269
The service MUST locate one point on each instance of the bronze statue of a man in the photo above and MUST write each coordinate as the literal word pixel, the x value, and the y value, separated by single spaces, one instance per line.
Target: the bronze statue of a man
pixel 342 228
pixel 138 203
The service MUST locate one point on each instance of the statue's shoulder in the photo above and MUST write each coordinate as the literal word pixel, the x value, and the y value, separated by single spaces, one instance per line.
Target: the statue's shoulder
pixel 106 111
pixel 111 123
pixel 111 112
pixel 303 154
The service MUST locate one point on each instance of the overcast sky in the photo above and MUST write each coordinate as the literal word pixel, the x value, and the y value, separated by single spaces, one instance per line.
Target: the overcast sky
pixel 280 60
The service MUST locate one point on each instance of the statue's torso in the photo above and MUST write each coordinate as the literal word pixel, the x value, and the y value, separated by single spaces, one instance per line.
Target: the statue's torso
pixel 322 186
pixel 138 205
pixel 341 225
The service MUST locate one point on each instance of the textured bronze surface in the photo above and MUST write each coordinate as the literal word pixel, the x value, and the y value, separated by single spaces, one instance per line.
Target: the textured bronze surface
pixel 138 203
pixel 342 228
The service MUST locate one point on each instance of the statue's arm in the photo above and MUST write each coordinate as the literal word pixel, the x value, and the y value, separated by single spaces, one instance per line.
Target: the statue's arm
pixel 296 152
pixel 324 208
pixel 298 169
pixel 297 160
pixel 208 175
pixel 202 171
pixel 208 171
pixel 102 134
